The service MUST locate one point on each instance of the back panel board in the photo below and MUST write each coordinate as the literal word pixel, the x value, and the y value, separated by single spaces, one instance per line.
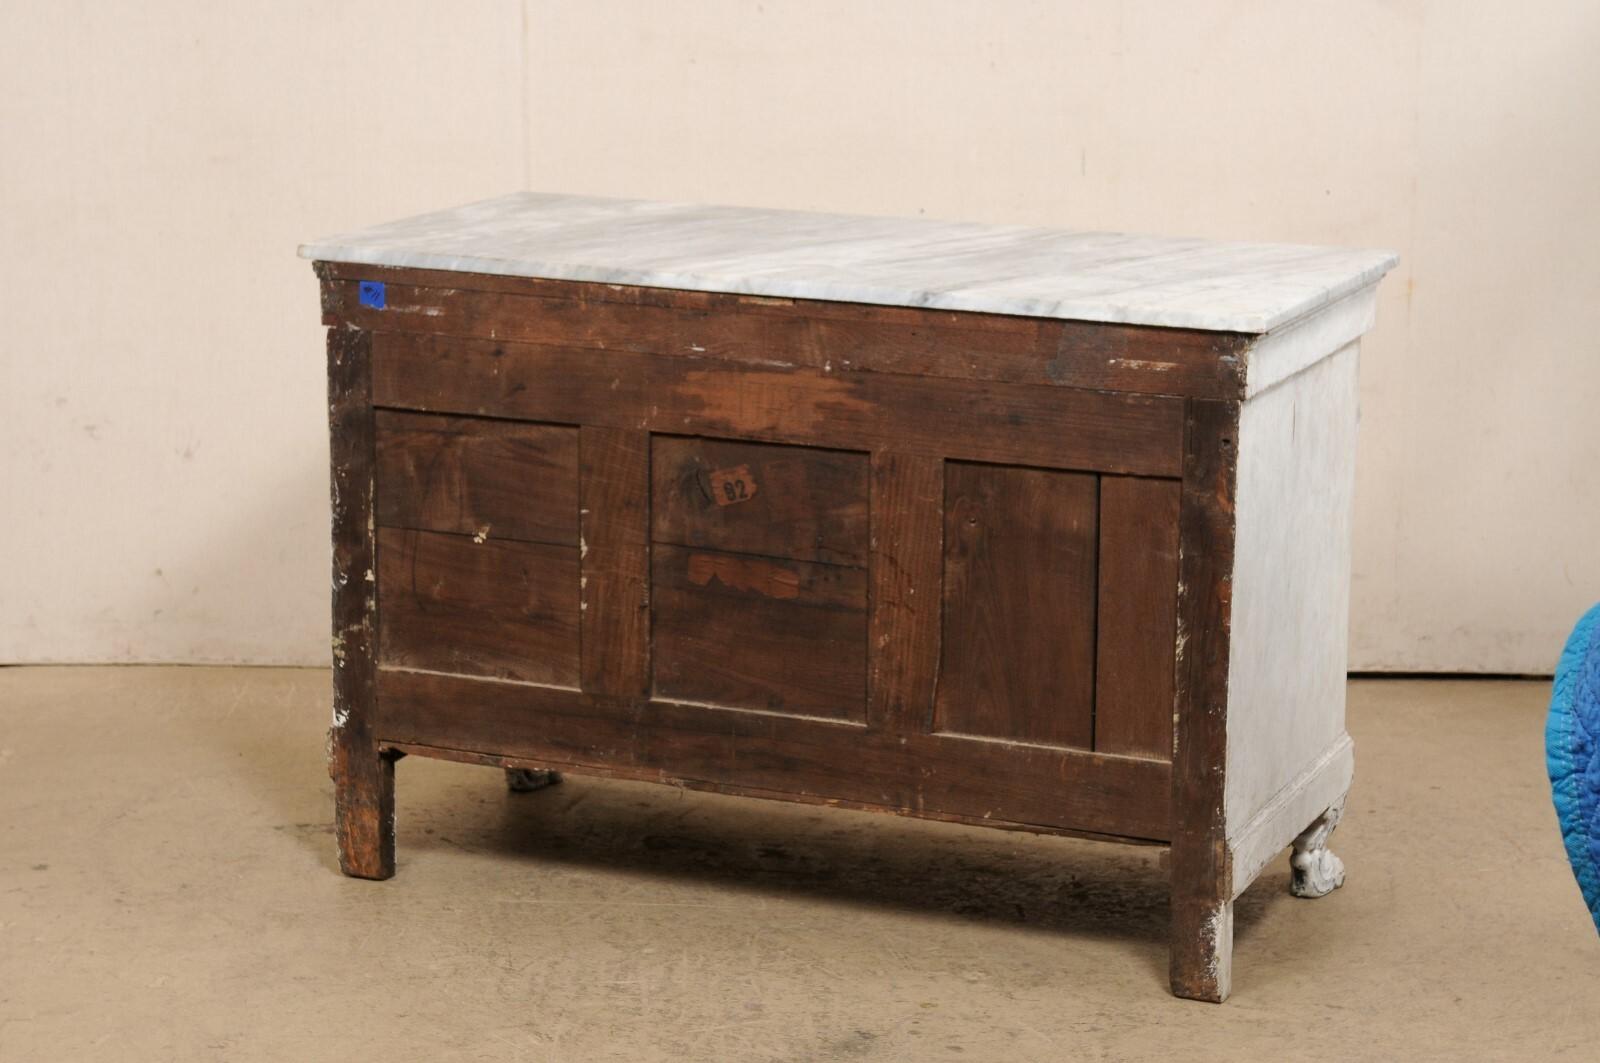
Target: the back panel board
pixel 751 577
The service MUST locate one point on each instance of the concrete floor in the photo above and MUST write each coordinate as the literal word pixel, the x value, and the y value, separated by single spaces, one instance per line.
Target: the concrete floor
pixel 168 891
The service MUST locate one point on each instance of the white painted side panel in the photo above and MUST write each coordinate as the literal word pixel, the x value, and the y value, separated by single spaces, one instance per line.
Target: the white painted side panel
pixel 1282 353
pixel 1291 583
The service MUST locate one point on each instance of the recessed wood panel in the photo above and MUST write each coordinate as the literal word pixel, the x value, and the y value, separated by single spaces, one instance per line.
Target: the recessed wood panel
pixel 471 475
pixel 1137 640
pixel 801 503
pixel 497 608
pixel 757 633
pixel 1019 604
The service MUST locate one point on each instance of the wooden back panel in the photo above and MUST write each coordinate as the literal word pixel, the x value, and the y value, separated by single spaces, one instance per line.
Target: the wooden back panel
pixel 1019 604
pixel 949 598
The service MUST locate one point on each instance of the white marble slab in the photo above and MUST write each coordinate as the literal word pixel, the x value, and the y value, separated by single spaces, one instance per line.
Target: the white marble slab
pixel 1003 269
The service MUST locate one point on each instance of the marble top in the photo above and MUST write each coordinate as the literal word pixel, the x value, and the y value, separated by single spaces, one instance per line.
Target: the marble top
pixel 1002 269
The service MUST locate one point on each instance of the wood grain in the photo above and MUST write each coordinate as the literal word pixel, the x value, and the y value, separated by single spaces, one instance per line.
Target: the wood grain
pixel 1019 604
pixel 907 572
pixel 1001 423
pixel 520 764
pixel 849 337
pixel 804 758
pixel 616 561
pixel 1202 879
pixel 800 503
pixel 903 559
pixel 363 776
pixel 498 608
pixel 470 475
pixel 756 633
pixel 1137 628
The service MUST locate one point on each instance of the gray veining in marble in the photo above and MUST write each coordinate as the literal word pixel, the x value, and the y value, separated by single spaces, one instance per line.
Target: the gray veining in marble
pixel 1002 269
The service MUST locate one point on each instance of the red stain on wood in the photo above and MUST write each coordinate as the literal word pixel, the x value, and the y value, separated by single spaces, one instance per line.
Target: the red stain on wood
pixel 745 574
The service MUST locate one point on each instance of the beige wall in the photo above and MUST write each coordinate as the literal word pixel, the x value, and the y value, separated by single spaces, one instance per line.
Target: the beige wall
pixel 162 415
pixel 168 163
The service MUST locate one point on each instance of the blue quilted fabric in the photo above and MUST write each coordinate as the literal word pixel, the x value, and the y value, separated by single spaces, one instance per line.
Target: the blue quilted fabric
pixel 1572 748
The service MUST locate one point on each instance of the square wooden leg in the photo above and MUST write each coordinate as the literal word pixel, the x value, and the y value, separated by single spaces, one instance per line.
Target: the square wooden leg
pixel 1202 947
pixel 1202 872
pixel 363 776
pixel 363 786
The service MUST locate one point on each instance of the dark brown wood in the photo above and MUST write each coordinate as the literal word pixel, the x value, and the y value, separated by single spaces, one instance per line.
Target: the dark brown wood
pixel 907 570
pixel 494 760
pixel 363 776
pixel 757 633
pixel 800 503
pixel 472 476
pixel 1002 423
pixel 455 603
pixel 1136 632
pixel 846 337
pixel 798 757
pixel 524 764
pixel 962 566
pixel 615 587
pixel 1202 880
pixel 1019 605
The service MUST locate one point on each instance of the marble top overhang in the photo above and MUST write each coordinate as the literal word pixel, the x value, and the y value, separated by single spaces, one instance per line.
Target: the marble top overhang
pixel 1126 278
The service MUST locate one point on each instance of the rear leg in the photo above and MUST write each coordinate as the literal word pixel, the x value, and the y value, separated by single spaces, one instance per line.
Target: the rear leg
pixel 526 780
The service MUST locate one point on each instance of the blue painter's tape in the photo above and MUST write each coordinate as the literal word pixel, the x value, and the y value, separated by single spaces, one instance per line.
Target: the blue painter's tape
pixel 372 294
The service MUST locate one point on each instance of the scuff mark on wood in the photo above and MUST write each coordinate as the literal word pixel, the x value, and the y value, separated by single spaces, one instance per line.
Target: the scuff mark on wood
pixel 745 574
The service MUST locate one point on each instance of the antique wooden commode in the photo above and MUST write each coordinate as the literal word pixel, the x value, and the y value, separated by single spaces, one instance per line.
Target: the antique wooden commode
pixel 1016 527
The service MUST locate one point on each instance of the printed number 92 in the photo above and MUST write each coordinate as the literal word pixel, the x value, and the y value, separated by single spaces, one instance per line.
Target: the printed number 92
pixel 734 490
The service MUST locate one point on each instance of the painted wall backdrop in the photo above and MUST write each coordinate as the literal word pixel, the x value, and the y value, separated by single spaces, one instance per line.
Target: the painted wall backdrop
pixel 162 409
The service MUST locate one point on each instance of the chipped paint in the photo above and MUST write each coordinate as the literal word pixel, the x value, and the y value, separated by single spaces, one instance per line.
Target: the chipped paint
pixel 1217 932
pixel 1136 363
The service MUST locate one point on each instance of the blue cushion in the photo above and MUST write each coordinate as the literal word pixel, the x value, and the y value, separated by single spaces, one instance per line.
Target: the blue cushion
pixel 1572 748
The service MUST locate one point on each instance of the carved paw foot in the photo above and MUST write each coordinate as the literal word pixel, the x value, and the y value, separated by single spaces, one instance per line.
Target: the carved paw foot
pixel 1317 872
pixel 526 780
